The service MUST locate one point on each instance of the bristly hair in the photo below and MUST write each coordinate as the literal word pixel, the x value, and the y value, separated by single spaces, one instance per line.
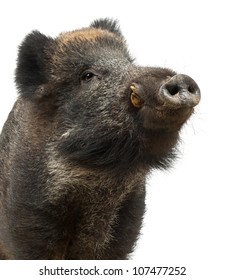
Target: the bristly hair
pixel 97 152
pixel 114 153
pixel 107 24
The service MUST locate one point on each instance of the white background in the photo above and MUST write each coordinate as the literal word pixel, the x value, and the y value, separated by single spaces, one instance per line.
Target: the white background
pixel 184 222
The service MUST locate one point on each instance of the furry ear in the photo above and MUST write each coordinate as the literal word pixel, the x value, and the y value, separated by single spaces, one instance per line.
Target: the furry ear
pixel 107 24
pixel 33 56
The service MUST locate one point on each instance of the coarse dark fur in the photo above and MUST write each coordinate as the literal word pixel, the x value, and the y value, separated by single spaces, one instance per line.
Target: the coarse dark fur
pixel 75 151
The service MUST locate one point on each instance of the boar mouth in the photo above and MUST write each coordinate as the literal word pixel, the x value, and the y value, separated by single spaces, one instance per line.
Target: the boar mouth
pixel 165 119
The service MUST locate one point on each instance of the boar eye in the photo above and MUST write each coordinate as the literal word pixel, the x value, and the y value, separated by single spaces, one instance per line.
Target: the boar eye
pixel 87 76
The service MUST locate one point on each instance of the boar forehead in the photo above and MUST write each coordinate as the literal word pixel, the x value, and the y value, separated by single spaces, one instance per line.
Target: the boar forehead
pixel 91 47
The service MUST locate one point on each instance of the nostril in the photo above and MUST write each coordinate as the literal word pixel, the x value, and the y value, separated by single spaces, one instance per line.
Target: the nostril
pixel 172 89
pixel 191 89
pixel 175 89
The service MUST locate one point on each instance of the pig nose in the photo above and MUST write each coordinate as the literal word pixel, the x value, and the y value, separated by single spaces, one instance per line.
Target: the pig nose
pixel 180 91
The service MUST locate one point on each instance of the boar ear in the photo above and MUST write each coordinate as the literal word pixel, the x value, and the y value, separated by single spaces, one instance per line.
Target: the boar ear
pixel 107 24
pixel 32 62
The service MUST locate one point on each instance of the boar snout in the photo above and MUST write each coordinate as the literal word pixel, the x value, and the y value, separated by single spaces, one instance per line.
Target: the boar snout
pixel 167 105
pixel 180 91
